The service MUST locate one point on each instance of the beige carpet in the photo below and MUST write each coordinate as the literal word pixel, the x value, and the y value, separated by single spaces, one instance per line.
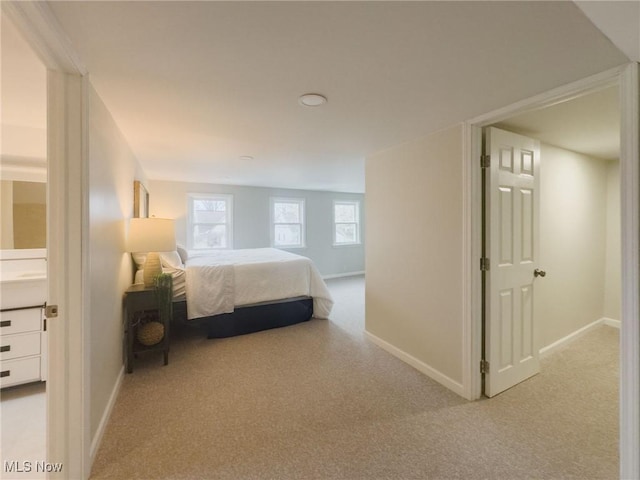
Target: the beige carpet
pixel 318 401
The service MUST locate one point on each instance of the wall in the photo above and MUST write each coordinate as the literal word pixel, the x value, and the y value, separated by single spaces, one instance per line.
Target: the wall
pixel 414 252
pixel 251 222
pixel 573 240
pixel 613 255
pixel 112 169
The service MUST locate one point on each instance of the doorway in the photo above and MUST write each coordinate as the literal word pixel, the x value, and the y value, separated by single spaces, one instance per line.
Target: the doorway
pixel 627 77
pixel 23 253
pixel 571 269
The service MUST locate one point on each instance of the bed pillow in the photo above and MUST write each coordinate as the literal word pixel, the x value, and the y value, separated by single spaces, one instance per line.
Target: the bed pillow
pixel 171 259
pixel 184 255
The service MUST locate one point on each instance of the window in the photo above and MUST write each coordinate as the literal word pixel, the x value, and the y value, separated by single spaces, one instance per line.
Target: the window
pixel 287 222
pixel 346 221
pixel 210 221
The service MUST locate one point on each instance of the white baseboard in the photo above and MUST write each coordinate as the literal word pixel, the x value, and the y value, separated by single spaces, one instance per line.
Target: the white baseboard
pixel 612 323
pixel 97 439
pixel 419 365
pixel 572 336
pixel 340 275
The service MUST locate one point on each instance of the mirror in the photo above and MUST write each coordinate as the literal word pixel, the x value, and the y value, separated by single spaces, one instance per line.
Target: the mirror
pixel 23 215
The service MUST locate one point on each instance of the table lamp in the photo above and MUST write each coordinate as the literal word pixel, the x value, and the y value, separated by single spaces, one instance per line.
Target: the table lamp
pixel 150 236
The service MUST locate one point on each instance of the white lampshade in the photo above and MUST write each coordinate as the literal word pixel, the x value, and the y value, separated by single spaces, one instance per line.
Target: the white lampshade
pixel 151 235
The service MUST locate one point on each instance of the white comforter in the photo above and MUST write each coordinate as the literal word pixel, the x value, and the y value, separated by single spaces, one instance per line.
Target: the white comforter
pixel 226 279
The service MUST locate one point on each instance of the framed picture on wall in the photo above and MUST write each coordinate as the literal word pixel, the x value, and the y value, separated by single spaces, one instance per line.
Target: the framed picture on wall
pixel 140 200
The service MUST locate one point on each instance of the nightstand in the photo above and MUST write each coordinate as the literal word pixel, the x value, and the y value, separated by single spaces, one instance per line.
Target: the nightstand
pixel 139 303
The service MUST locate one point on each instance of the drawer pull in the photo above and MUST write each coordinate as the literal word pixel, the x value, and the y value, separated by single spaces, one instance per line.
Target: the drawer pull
pixel 6 373
pixel 5 323
pixel 5 348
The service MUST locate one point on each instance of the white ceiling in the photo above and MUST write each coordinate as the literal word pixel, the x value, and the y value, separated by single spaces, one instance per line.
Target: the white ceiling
pixel 589 124
pixel 195 85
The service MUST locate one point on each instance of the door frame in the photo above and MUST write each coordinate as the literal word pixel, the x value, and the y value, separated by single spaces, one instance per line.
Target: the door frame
pixel 627 78
pixel 68 386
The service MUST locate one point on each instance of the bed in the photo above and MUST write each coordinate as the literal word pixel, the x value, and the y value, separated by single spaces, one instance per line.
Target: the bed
pixel 234 292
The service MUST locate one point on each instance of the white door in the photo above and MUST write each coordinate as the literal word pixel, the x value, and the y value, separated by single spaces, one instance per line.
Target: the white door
pixel 512 248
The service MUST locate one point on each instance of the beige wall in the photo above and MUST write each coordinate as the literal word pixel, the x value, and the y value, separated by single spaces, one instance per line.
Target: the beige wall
pixel 112 169
pixel 573 240
pixel 613 256
pixel 414 249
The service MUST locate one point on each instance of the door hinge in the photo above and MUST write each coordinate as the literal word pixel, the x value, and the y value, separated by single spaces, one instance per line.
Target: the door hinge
pixel 485 161
pixel 484 366
pixel 484 264
pixel 51 311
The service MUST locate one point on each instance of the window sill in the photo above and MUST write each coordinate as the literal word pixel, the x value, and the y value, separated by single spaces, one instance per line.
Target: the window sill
pixel 342 245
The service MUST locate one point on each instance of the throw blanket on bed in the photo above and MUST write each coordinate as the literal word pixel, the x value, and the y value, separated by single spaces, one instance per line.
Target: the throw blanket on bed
pixel 218 282
pixel 209 289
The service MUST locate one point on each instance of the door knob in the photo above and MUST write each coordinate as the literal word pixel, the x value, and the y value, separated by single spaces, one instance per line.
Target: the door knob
pixel 539 273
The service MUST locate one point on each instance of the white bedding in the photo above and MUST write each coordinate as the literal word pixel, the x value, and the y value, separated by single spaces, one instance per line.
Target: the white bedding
pixel 226 279
pixel 179 281
pixel 218 282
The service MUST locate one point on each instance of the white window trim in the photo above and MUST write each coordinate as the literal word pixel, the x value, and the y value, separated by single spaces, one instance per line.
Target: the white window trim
pixel 228 198
pixel 303 221
pixel 357 222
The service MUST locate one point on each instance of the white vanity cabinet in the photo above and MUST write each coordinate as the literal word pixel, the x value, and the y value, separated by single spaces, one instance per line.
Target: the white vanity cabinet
pixel 21 346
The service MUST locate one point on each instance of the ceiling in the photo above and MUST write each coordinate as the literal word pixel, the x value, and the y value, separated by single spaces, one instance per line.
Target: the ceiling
pixel 589 124
pixel 195 86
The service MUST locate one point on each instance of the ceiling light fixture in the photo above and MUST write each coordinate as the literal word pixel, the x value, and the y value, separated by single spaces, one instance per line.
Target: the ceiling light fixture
pixel 246 157
pixel 312 100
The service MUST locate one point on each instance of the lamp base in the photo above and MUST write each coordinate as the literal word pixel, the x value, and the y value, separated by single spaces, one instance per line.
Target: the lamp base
pixel 152 268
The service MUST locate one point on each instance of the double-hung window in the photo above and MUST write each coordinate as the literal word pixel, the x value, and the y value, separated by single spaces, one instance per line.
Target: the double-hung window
pixel 287 222
pixel 210 221
pixel 346 222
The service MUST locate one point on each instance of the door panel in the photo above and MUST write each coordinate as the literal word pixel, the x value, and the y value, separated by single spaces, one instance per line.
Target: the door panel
pixel 511 344
pixel 506 226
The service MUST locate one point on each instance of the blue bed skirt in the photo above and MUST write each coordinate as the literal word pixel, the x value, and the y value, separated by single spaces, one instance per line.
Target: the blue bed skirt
pixel 251 318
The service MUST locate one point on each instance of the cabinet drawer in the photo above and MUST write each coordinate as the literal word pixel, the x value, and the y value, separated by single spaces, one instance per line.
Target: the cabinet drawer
pixel 20 321
pixel 20 345
pixel 23 370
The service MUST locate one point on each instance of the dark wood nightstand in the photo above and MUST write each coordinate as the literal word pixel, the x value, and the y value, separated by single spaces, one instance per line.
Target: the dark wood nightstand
pixel 140 302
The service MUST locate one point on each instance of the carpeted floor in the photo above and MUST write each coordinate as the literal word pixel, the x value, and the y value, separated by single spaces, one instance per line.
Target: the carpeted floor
pixel 319 401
